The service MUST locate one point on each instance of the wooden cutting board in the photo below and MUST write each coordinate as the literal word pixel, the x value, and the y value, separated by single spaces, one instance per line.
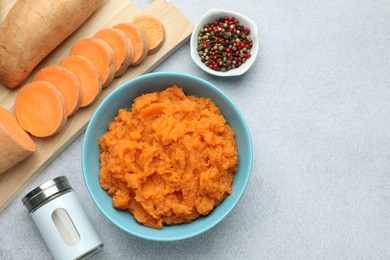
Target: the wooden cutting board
pixel 178 30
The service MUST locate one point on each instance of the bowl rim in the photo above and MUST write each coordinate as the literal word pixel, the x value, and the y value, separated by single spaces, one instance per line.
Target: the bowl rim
pixel 214 13
pixel 90 129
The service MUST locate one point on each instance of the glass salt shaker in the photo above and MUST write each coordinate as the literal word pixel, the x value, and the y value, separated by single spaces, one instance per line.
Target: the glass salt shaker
pixel 62 221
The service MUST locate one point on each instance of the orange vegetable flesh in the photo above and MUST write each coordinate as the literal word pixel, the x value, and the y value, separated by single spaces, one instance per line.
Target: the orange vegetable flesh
pixel 138 40
pixel 168 160
pixel 121 46
pixel 88 76
pixel 100 53
pixel 15 143
pixel 9 122
pixel 66 82
pixel 154 31
pixel 40 109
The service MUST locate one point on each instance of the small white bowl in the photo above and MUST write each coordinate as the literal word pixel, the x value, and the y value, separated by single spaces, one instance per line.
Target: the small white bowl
pixel 211 15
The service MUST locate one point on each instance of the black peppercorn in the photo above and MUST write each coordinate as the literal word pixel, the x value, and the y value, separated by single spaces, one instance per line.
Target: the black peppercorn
pixel 224 44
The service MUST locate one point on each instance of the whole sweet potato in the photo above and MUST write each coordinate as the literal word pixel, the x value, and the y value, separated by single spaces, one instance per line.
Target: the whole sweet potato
pixel 34 28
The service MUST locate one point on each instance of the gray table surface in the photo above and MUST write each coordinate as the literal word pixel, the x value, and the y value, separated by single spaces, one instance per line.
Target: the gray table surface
pixel 317 103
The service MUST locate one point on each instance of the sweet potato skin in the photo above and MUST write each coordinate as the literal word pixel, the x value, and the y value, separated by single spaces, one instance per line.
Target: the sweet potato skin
pixel 34 28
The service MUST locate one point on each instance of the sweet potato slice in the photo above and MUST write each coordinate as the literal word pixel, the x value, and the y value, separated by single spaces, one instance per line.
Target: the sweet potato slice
pixel 121 45
pixel 16 145
pixel 138 39
pixel 100 53
pixel 34 28
pixel 88 75
pixel 40 109
pixel 154 31
pixel 66 82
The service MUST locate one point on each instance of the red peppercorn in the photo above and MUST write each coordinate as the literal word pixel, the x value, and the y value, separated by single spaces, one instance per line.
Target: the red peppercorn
pixel 224 45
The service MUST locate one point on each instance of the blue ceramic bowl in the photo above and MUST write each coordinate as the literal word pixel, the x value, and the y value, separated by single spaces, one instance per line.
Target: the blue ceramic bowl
pixel 122 97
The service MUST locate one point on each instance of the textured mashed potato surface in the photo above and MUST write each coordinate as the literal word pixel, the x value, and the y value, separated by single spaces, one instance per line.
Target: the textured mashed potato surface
pixel 168 160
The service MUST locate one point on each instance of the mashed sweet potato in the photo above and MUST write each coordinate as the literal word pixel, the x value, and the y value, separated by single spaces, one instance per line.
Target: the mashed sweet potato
pixel 168 160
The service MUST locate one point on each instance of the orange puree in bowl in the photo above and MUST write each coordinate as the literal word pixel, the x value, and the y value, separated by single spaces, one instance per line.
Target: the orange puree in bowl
pixel 168 160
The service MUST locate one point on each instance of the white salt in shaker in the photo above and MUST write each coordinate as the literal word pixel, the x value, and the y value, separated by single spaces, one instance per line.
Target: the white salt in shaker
pixel 61 220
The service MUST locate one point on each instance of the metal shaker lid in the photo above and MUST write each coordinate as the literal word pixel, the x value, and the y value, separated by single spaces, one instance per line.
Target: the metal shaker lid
pixel 47 191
